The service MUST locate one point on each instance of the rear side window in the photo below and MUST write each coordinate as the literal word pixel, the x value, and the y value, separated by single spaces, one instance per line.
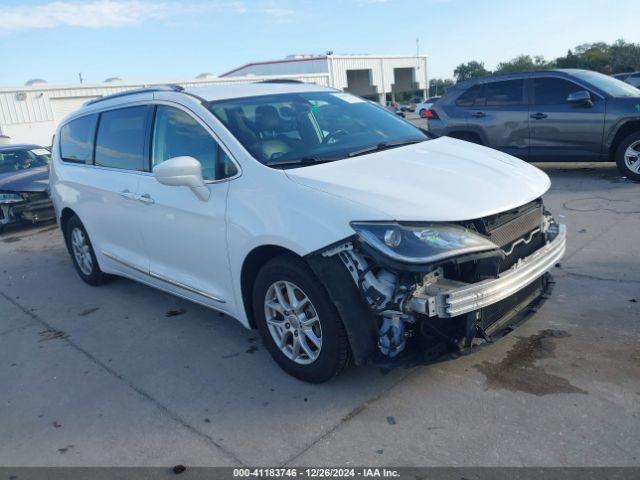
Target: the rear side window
pixel 120 142
pixel 177 134
pixel 508 92
pixel 552 91
pixel 471 97
pixel 76 139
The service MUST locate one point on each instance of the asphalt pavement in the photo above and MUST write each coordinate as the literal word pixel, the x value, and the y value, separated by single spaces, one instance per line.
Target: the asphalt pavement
pixel 124 375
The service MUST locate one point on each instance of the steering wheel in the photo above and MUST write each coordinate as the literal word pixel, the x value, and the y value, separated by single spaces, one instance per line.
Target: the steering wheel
pixel 334 136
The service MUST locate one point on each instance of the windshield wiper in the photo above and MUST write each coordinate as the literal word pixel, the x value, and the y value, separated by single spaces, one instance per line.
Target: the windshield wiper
pixel 383 146
pixel 301 161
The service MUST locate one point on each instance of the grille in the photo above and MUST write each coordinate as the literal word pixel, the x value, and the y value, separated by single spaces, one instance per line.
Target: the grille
pixel 499 310
pixel 505 234
pixel 504 229
pixel 521 250
pixel 508 227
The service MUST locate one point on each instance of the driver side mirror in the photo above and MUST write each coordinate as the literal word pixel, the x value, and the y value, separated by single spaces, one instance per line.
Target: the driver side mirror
pixel 581 97
pixel 182 172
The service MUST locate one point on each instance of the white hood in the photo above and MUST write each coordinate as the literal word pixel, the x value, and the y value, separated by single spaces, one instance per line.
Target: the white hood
pixel 437 180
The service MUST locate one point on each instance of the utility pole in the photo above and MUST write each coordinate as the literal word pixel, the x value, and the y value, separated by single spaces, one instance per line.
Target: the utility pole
pixel 80 76
pixel 425 92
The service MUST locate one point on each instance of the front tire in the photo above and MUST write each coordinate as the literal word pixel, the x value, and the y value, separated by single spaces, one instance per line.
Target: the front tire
pixel 628 157
pixel 82 253
pixel 299 323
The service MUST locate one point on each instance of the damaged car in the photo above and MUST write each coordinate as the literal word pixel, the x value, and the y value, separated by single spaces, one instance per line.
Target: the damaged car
pixel 341 232
pixel 24 185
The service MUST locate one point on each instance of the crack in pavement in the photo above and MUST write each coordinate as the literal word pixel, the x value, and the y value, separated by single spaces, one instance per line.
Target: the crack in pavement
pixel 348 417
pixel 602 279
pixel 595 204
pixel 19 327
pixel 148 397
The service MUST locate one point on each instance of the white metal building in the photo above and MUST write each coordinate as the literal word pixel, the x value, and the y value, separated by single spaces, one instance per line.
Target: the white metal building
pixel 30 114
pixel 376 77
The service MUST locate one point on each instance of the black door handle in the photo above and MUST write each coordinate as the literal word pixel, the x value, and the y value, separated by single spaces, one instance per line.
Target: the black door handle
pixel 478 114
pixel 539 115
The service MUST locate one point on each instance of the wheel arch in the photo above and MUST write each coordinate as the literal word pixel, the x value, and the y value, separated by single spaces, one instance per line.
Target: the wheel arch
pixel 251 265
pixel 334 277
pixel 628 127
pixel 65 215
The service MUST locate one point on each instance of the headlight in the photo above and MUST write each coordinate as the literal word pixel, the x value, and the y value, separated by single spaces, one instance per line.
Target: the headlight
pixel 10 198
pixel 422 243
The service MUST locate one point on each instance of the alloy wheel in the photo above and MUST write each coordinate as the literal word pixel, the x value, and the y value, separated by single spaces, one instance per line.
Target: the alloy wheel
pixel 293 322
pixel 81 251
pixel 632 157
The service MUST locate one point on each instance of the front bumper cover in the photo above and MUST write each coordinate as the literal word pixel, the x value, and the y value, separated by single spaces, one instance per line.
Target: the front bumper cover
pixel 446 298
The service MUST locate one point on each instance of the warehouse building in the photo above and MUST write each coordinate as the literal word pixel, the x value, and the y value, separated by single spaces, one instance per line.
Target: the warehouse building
pixel 30 114
pixel 374 77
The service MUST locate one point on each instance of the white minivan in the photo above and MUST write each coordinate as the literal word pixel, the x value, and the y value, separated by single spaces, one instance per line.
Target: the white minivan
pixel 340 231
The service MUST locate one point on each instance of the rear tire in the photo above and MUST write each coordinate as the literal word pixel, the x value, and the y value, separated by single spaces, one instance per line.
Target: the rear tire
pixel 306 318
pixel 82 253
pixel 629 149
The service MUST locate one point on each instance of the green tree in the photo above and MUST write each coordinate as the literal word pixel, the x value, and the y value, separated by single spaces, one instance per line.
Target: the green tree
pixel 437 86
pixel 469 70
pixel 524 63
pixel 568 61
pixel 618 57
pixel 594 56
pixel 624 57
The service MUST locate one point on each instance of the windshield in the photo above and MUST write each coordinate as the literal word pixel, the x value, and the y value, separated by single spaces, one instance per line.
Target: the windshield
pixel 22 159
pixel 301 128
pixel 610 85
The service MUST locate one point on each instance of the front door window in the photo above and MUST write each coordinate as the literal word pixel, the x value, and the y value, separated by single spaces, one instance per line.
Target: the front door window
pixel 177 134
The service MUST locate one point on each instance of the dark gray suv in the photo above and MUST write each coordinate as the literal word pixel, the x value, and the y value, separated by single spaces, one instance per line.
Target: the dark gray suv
pixel 565 115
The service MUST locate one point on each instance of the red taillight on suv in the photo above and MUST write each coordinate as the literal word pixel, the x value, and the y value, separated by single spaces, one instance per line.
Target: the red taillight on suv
pixel 431 114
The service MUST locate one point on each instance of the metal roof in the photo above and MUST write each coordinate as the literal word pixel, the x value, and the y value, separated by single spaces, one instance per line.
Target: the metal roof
pixel 275 62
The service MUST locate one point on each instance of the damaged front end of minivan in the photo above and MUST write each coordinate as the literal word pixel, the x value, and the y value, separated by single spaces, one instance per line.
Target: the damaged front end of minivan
pixel 431 288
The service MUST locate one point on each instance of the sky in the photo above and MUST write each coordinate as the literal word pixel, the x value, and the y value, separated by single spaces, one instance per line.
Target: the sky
pixel 143 40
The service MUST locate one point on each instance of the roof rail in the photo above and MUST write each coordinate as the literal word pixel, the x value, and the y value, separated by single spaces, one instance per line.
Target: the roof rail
pixel 280 80
pixel 158 88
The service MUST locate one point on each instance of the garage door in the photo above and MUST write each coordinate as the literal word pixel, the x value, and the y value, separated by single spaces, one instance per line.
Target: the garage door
pixel 64 106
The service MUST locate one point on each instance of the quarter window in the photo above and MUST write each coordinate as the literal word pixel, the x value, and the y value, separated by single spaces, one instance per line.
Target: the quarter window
pixel 120 142
pixel 508 92
pixel 76 139
pixel 552 91
pixel 472 97
pixel 177 134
